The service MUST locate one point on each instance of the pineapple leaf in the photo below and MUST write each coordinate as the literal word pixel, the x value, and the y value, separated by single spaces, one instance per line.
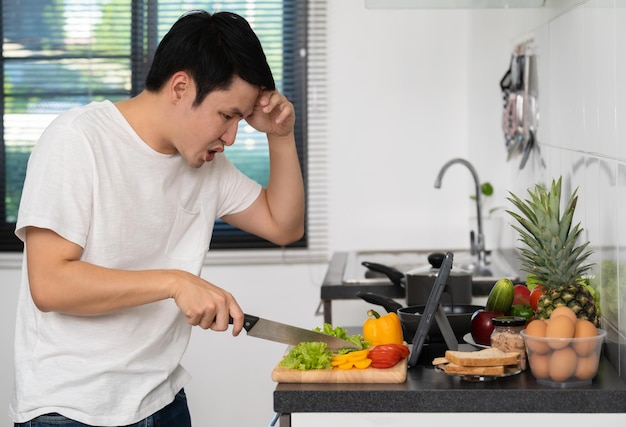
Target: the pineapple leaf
pixel 550 251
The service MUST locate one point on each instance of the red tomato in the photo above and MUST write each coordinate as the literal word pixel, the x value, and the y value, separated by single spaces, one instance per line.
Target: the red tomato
pixel 387 355
pixel 521 295
pixel 384 363
pixel 537 292
pixel 401 349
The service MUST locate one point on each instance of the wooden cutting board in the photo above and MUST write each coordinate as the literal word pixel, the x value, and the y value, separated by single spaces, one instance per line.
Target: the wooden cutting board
pixel 395 374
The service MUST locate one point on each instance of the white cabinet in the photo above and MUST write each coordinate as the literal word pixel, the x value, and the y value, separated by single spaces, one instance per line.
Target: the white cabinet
pixel 461 419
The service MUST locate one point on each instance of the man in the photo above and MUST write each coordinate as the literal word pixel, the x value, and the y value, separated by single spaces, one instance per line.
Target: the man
pixel 116 215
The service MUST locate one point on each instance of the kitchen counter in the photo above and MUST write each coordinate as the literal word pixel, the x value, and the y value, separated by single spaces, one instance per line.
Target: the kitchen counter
pixel 427 390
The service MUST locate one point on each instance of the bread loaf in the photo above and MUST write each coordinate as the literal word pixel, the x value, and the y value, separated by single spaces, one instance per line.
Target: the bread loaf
pixel 487 357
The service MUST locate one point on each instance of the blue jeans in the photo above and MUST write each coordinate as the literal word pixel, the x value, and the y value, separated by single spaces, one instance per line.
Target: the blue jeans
pixel 176 414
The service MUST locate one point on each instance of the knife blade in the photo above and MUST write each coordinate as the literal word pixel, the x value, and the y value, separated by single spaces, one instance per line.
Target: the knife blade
pixel 288 334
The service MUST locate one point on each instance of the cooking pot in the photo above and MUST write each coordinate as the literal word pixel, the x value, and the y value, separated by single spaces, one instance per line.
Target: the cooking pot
pixel 419 282
pixel 459 316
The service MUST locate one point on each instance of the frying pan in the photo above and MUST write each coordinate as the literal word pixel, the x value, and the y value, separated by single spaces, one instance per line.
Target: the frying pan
pixel 459 316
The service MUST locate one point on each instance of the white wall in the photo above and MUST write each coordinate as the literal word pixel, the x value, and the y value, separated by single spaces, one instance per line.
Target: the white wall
pixel 10 282
pixel 408 90
pixel 582 59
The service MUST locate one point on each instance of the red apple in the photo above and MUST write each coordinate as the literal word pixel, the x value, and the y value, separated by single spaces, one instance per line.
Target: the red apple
pixel 482 325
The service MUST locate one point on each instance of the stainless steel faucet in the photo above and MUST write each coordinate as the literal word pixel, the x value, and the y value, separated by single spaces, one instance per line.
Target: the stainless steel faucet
pixel 477 242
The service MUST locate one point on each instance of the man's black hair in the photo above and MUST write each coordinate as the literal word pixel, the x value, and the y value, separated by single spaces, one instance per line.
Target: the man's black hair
pixel 212 48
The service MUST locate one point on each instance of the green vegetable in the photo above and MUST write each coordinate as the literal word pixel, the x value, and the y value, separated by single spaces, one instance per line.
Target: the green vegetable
pixel 328 329
pixel 316 355
pixel 522 310
pixel 341 333
pixel 531 282
pixel 501 296
pixel 308 355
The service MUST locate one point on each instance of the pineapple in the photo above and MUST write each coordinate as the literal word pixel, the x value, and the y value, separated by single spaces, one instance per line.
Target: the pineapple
pixel 551 255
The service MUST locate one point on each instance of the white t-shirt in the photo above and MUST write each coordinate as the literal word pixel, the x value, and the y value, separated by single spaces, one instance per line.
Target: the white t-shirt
pixel 93 181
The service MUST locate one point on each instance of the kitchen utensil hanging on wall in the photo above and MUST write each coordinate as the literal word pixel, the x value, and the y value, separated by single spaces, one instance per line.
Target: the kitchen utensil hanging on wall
pixel 520 116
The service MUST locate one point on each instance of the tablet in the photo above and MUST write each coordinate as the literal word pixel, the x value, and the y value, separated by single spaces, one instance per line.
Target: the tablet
pixel 431 314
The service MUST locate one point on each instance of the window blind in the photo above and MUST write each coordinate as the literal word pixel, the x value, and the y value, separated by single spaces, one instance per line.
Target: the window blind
pixel 316 154
pixel 57 54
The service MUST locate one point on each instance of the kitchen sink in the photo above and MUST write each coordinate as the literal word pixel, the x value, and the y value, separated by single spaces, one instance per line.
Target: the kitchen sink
pixel 499 264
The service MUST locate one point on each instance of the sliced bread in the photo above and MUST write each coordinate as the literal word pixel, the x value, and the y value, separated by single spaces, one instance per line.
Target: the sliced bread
pixel 452 368
pixel 487 357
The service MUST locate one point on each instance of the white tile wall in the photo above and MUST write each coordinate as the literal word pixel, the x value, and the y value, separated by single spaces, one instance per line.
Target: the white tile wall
pixel 582 91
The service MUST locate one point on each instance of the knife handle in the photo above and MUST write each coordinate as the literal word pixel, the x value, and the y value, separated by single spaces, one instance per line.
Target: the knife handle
pixel 248 321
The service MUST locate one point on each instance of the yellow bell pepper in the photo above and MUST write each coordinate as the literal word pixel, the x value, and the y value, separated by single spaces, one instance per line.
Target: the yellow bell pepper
pixel 382 329
pixel 355 356
pixel 339 359
pixel 363 364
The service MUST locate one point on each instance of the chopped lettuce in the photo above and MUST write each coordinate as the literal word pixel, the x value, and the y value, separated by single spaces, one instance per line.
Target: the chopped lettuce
pixel 308 355
pixel 340 332
pixel 316 355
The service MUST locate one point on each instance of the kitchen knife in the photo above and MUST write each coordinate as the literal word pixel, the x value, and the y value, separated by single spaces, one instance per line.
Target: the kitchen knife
pixel 287 334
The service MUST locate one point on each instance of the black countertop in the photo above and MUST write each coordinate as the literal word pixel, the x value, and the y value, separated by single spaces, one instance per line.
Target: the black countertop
pixel 427 390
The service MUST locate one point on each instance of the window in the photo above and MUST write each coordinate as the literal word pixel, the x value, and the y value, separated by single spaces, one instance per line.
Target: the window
pixel 57 54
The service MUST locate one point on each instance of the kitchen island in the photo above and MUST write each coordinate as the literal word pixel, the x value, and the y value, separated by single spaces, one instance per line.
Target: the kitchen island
pixel 429 391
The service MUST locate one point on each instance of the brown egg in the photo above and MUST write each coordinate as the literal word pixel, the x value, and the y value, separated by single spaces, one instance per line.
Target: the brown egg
pixel 560 327
pixel 539 365
pixel 587 367
pixel 537 328
pixel 562 364
pixel 563 311
pixel 585 329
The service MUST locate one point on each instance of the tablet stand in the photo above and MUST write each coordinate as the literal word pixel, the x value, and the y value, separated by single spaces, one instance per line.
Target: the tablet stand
pixel 446 329
pixel 434 311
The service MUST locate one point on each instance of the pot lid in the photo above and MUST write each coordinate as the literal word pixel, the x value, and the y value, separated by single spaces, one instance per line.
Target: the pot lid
pixel 435 259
